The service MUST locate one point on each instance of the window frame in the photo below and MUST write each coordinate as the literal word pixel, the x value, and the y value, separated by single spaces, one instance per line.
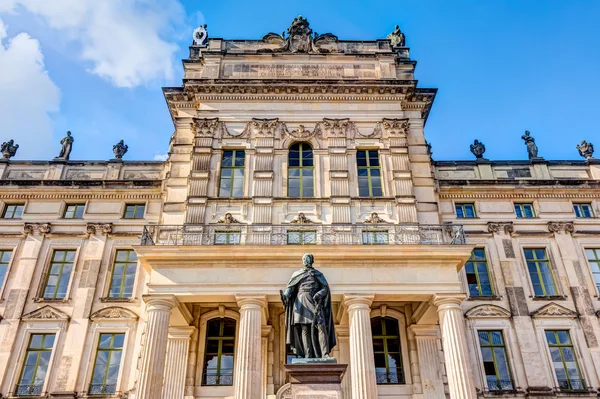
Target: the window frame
pixel 369 168
pixel 16 204
pixel 37 363
pixel 580 205
pixel 66 206
pixel 136 205
pixel 95 357
pixel 520 207
pixel 111 271
pixel 462 205
pixel 551 266
pixel 506 354
pixel 576 352
pixel 486 260
pixel 596 251
pixel 4 282
pixel 232 168
pixel 301 168
pixel 57 246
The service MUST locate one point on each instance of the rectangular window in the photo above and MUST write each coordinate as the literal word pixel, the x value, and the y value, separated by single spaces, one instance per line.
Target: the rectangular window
pixel 35 365
pixel 375 237
pixel 478 277
pixel 524 211
pixel 301 237
pixel 227 237
pixel 232 174
pixel 123 274
pixel 59 274
pixel 583 210
pixel 107 364
pixel 465 211
pixel 593 257
pixel 134 211
pixel 564 361
pixel 540 272
pixel 4 260
pixel 13 211
pixel 74 211
pixel 369 173
pixel 495 361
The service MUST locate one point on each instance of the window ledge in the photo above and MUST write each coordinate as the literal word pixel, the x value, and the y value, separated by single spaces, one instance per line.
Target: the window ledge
pixel 549 298
pixel 485 298
pixel 116 300
pixel 515 393
pixel 54 300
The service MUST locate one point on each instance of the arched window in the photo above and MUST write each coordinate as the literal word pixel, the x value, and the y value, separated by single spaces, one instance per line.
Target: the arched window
pixel 387 351
pixel 218 356
pixel 301 171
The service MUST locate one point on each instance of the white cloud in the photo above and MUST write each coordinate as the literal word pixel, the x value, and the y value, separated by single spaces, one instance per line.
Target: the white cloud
pixel 161 157
pixel 128 42
pixel 27 95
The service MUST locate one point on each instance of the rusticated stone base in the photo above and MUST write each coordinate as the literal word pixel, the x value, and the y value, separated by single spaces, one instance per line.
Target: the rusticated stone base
pixel 316 380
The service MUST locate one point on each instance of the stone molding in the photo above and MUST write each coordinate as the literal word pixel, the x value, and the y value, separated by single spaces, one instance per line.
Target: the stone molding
pixel 492 195
pixel 553 310
pixel 160 302
pixel 113 313
pixel 42 228
pixel 81 196
pixel 93 228
pixel 448 300
pixel 46 313
pixel 498 227
pixel 558 227
pixel 487 311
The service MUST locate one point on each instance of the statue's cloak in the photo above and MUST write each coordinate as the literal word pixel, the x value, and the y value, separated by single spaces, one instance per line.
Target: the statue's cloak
pixel 325 317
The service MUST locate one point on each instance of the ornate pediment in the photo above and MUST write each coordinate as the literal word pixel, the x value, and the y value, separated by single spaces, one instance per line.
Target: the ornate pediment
pixel 113 313
pixel 301 39
pixel 483 311
pixel 553 310
pixel 46 313
pixel 301 132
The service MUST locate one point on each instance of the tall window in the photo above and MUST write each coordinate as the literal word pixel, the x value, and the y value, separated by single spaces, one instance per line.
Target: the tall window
pixel 301 171
pixel 593 256
pixel 302 237
pixel 4 260
pixel 540 272
pixel 74 211
pixel 524 210
pixel 583 210
pixel 465 211
pixel 369 173
pixel 134 211
pixel 386 347
pixel 232 174
pixel 13 211
pixel 218 357
pixel 478 277
pixel 59 274
pixel 123 274
pixel 564 361
pixel 495 361
pixel 35 365
pixel 107 364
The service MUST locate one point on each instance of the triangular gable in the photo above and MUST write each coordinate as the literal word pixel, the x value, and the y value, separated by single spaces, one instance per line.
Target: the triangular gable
pixel 553 310
pixel 113 313
pixel 486 311
pixel 46 313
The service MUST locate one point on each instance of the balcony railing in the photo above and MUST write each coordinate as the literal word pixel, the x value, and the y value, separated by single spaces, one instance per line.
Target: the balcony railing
pixel 303 234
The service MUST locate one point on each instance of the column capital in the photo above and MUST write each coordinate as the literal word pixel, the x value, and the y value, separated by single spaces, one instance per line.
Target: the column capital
pixel 447 301
pixel 181 332
pixel 251 301
pixel 160 302
pixel 358 301
pixel 424 331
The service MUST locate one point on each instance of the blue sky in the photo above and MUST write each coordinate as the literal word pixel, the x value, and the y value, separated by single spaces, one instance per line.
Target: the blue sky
pixel 97 68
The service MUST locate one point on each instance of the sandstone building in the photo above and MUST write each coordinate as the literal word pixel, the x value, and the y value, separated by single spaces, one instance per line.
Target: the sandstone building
pixel 151 280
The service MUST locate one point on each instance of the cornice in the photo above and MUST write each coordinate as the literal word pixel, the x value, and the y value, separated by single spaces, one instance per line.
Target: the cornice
pixel 593 194
pixel 66 196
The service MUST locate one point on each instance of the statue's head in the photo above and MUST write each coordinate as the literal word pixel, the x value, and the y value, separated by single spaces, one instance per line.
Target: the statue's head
pixel 68 133
pixel 308 260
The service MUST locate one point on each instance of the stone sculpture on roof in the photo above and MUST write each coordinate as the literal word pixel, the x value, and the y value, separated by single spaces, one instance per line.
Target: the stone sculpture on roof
pixel 200 36
pixel 67 146
pixel 120 149
pixel 532 149
pixel 585 149
pixel 478 149
pixel 9 149
pixel 397 38
pixel 300 39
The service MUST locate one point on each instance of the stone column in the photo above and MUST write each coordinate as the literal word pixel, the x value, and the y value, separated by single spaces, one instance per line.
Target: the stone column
pixel 458 367
pixel 177 355
pixel 429 361
pixel 248 364
pixel 362 360
pixel 343 347
pixel 158 309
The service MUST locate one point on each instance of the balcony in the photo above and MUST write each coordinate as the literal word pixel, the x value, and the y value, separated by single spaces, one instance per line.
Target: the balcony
pixel 303 234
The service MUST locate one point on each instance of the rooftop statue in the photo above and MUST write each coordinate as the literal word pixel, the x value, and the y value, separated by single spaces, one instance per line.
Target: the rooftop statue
pixel 9 149
pixel 301 39
pixel 67 146
pixel 308 313
pixel 200 36
pixel 532 149
pixel 397 38
pixel 478 149
pixel 120 149
pixel 586 149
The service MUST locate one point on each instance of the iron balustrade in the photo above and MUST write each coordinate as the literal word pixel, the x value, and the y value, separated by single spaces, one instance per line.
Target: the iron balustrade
pixel 303 234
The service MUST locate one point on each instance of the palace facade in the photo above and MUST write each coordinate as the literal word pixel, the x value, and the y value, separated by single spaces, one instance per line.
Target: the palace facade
pixel 459 280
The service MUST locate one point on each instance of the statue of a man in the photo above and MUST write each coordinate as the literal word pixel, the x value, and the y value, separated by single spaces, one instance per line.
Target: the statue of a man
pixel 397 38
pixel 532 149
pixel 308 314
pixel 67 146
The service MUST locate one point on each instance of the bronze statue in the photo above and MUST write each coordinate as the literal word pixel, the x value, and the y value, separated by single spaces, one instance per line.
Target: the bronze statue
pixel 532 149
pixel 67 146
pixel 397 38
pixel 9 149
pixel 308 314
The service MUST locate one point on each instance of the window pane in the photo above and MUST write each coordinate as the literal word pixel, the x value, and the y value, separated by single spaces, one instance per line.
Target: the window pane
pixel 218 359
pixel 227 158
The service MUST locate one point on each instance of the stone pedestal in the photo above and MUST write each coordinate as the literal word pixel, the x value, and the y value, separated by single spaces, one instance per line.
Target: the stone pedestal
pixel 316 380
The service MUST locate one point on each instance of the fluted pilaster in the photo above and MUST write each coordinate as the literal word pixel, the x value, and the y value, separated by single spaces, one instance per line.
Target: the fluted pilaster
pixel 176 364
pixel 362 361
pixel 458 368
pixel 248 361
pixel 158 310
pixel 429 361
